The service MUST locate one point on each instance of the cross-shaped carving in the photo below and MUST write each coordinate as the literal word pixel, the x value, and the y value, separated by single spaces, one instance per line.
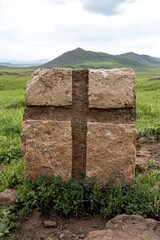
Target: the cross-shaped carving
pixel 82 110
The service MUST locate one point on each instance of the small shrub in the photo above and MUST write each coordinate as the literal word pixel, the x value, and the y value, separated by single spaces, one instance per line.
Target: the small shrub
pixel 7 220
pixel 79 197
pixel 53 194
pixel 144 198
pixel 114 200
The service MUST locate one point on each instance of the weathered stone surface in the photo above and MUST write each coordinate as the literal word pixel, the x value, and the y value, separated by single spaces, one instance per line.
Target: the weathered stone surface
pixel 7 197
pixel 63 102
pixel 111 152
pixel 128 227
pixel 50 87
pixel 47 148
pixel 112 88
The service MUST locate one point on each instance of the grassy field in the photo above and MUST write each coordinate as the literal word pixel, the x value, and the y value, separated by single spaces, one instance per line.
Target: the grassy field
pixel 148 102
pixel 12 90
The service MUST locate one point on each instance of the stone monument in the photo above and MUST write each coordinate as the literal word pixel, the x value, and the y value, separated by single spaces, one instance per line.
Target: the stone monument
pixel 80 123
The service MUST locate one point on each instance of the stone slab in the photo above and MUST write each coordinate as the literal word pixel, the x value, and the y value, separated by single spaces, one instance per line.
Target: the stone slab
pixel 47 148
pixel 110 152
pixel 50 87
pixel 128 227
pixel 112 88
pixel 7 197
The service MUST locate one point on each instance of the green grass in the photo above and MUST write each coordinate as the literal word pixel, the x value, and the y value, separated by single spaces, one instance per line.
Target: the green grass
pixel 11 112
pixel 11 82
pixel 148 104
pixel 12 175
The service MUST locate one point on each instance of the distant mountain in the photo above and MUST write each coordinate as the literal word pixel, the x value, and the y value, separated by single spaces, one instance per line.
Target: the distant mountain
pixel 80 58
pixel 21 64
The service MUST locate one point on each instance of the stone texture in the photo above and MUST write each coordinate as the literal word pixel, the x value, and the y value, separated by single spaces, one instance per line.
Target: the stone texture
pixel 50 87
pixel 47 148
pixel 112 88
pixel 7 197
pixel 110 152
pixel 60 104
pixel 128 227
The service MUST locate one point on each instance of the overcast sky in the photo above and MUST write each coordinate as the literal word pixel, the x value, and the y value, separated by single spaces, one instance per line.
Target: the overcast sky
pixel 36 29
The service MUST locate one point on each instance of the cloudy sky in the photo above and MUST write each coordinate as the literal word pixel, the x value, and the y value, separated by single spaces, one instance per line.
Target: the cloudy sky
pixel 37 29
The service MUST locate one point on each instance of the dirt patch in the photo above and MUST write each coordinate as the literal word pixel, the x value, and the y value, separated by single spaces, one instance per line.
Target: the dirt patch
pixel 32 227
pixel 146 152
pixel 154 79
pixel 126 227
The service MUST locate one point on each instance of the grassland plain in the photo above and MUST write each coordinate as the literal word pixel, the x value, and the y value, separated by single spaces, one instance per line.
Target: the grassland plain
pixel 148 102
pixel 12 89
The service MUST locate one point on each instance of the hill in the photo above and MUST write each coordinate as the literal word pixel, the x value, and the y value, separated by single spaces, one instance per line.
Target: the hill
pixel 80 58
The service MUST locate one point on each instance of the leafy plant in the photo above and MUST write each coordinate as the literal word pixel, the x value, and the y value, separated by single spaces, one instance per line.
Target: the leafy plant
pixel 79 197
pixel 7 221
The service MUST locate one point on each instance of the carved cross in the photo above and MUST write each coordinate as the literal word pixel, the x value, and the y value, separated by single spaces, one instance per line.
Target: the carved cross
pixel 86 99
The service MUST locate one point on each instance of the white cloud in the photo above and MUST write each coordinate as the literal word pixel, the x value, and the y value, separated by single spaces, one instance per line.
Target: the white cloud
pixel 46 28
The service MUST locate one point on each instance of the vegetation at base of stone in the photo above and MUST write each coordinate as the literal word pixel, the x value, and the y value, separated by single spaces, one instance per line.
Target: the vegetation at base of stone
pixel 7 221
pixel 77 197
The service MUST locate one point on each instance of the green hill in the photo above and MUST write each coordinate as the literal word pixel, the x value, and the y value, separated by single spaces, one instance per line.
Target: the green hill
pixel 79 58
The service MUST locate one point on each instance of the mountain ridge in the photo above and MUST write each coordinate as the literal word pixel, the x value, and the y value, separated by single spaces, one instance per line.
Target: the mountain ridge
pixel 80 58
